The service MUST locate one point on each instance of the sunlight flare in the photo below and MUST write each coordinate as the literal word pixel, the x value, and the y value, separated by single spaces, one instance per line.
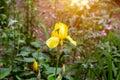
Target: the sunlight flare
pixel 84 2
pixel 80 2
pixel 75 1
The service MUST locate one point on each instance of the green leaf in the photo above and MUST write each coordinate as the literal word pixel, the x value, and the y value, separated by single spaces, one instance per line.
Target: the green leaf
pixel 4 72
pixel 23 53
pixel 109 64
pixel 114 69
pixel 27 73
pixel 36 55
pixel 71 78
pixel 21 41
pixel 7 2
pixel 11 22
pixel 51 70
pixel 37 44
pixel 18 77
pixel 118 76
pixel 27 48
pixel 4 35
pixel 3 17
pixel 28 59
pixel 45 30
pixel 34 78
pixel 51 77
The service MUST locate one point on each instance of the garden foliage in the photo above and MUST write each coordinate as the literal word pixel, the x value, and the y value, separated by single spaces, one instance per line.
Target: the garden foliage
pixel 94 55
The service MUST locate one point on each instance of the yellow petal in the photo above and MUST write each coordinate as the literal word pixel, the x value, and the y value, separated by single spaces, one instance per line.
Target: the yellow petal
pixel 52 42
pixel 55 33
pixel 71 40
pixel 60 30
pixel 57 26
pixel 35 66
pixel 63 30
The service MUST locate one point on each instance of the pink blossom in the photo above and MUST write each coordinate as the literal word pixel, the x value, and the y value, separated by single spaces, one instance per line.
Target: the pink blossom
pixel 92 1
pixel 93 14
pixel 103 33
pixel 108 27
pixel 74 17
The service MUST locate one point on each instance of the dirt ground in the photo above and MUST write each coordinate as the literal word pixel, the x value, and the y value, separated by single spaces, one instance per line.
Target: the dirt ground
pixel 46 10
pixel 47 14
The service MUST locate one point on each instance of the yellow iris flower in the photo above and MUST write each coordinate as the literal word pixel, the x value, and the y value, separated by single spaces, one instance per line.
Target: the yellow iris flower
pixel 35 66
pixel 59 33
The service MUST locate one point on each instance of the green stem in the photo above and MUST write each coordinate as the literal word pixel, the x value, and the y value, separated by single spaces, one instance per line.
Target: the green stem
pixel 56 67
pixel 57 55
pixel 38 75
